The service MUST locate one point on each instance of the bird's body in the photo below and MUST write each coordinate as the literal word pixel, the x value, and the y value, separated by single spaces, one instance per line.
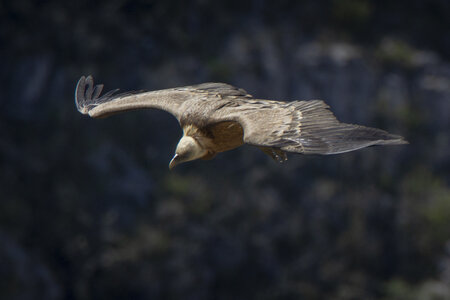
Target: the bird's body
pixel 217 117
pixel 219 137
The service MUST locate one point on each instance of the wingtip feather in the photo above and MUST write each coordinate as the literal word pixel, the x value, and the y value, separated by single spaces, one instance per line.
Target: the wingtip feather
pixel 89 87
pixel 80 98
pixel 394 140
pixel 87 95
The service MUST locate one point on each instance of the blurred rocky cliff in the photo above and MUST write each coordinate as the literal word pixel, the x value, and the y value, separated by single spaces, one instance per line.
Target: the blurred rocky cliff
pixel 89 209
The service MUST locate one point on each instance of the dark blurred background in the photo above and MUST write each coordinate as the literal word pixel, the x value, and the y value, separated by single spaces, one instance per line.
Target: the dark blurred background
pixel 89 209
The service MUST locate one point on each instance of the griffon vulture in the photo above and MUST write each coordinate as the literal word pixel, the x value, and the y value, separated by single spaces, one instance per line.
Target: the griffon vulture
pixel 217 117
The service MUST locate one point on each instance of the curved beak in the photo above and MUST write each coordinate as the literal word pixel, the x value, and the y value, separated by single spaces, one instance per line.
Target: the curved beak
pixel 174 162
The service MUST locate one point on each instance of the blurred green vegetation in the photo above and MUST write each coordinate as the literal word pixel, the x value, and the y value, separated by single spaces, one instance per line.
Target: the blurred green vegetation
pixel 395 53
pixel 352 13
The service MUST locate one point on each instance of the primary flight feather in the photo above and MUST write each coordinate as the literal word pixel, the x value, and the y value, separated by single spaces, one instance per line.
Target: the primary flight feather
pixel 217 117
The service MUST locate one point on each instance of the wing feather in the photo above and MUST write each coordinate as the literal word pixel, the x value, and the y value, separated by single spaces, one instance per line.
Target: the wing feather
pixel 300 126
pixel 307 127
pixel 89 101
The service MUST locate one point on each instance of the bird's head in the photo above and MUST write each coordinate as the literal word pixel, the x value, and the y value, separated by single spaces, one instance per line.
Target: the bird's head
pixel 188 149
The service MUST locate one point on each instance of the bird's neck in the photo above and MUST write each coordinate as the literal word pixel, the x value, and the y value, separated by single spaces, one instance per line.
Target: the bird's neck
pixel 192 130
pixel 203 137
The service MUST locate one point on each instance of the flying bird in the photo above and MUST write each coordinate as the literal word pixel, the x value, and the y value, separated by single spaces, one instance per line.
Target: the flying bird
pixel 217 117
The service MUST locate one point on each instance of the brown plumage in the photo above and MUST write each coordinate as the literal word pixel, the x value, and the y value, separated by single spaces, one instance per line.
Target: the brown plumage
pixel 217 117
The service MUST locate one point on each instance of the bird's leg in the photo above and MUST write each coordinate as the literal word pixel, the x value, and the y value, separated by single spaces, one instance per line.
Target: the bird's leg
pixel 276 154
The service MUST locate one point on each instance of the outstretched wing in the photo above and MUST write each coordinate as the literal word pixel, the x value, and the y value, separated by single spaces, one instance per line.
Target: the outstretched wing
pixel 299 126
pixel 307 127
pixel 89 100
